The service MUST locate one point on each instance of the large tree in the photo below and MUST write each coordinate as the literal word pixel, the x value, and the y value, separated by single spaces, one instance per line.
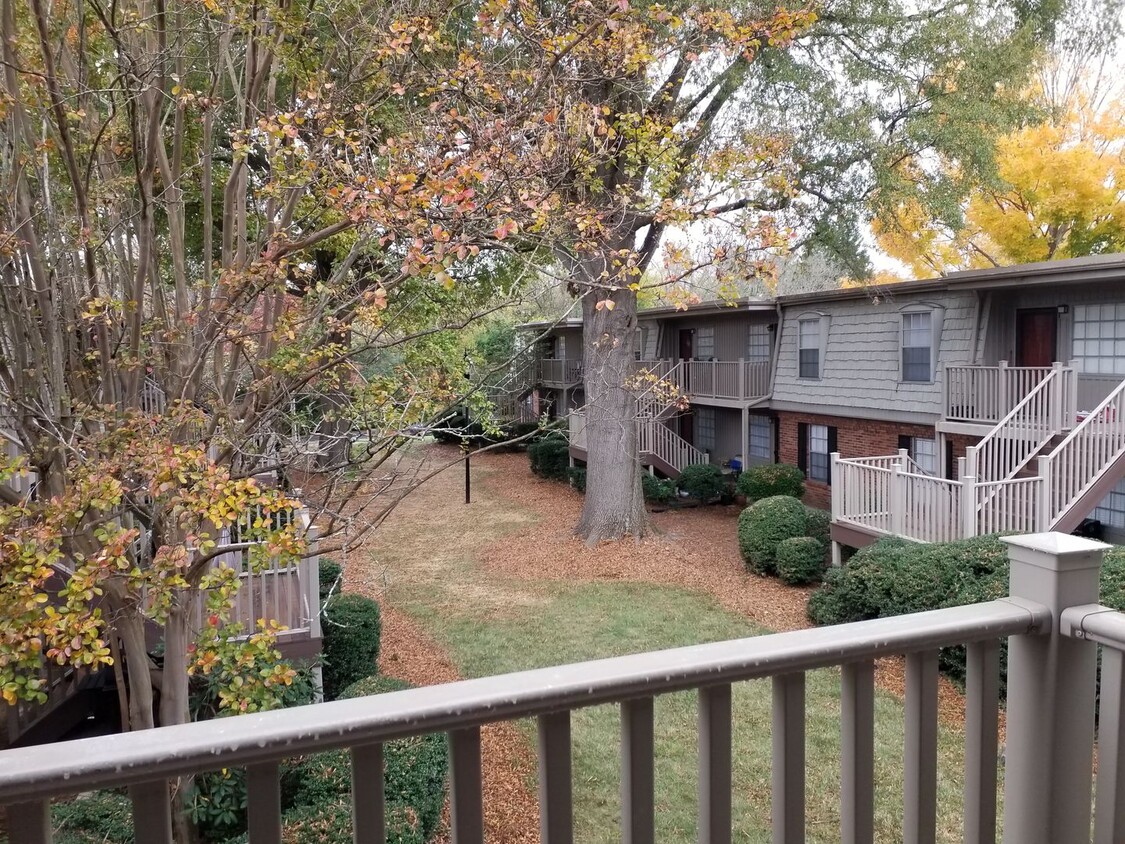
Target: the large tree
pixel 617 122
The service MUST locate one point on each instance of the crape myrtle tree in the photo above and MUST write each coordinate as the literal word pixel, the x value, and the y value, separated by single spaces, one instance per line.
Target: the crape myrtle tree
pixel 226 231
pixel 776 126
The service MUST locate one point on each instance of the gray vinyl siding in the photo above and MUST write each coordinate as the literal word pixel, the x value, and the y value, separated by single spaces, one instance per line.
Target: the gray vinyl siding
pixel 861 366
pixel 570 343
pixel 732 333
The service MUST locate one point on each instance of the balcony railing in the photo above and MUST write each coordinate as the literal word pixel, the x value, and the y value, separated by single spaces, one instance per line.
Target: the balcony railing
pixel 735 380
pixel 1052 618
pixel 560 371
pixel 983 395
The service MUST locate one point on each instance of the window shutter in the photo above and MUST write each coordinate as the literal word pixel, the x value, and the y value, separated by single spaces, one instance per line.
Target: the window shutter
pixel 775 424
pixel 803 447
pixel 832 448
pixel 950 463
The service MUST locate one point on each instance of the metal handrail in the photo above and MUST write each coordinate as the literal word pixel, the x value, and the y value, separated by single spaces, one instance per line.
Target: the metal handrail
pixel 38 773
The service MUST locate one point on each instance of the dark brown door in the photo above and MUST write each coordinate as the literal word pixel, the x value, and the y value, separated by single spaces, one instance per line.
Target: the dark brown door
pixel 687 343
pixel 687 427
pixel 1036 337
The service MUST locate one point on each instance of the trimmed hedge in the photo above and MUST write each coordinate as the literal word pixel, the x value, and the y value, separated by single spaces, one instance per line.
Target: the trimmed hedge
pixel 894 577
pixel 800 560
pixel 774 479
pixel 657 490
pixel 330 572
pixel 818 524
pixel 764 525
pixel 352 628
pixel 703 481
pixel 550 458
pixel 577 477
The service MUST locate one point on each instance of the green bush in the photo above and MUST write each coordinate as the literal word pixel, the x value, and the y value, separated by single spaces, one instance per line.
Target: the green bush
pixel 657 490
pixel 774 479
pixel 818 524
pixel 550 458
pixel 352 628
pixel 330 573
pixel 318 787
pixel 764 525
pixel 577 476
pixel 703 481
pixel 800 560
pixel 102 817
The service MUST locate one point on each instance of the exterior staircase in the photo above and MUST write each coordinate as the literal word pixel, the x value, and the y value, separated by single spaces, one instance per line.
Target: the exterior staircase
pixel 658 446
pixel 1042 467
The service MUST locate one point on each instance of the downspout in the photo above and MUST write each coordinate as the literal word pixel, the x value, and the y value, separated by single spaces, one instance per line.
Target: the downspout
pixel 776 348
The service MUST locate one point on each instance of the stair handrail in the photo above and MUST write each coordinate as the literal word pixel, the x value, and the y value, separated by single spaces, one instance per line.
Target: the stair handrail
pixel 1057 477
pixel 980 468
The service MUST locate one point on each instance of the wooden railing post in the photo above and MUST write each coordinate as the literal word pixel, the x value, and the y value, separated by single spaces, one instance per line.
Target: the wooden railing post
pixel 742 394
pixel 968 501
pixel 1044 506
pixel 1050 731
pixel 897 501
pixel 1004 392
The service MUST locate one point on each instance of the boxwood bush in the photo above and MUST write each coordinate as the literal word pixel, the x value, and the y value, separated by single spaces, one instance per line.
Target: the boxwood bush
pixel 657 490
pixel 818 524
pixel 330 573
pixel 894 577
pixel 550 458
pixel 800 560
pixel 764 525
pixel 352 626
pixel 773 479
pixel 703 481
pixel 577 477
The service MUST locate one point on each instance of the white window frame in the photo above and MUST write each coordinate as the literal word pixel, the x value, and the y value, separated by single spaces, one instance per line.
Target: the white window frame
pixel 931 457
pixel 705 430
pixel 704 343
pixel 936 319
pixel 815 438
pixel 760 426
pixel 1098 338
pixel 812 335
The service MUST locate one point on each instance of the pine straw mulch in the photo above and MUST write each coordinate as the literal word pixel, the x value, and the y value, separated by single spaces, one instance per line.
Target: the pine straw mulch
pixel 511 812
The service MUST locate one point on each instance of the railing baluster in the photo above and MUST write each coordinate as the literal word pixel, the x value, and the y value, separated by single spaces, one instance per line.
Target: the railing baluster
pixel 1109 814
pixel 30 823
pixel 465 793
pixel 368 798
pixel 263 799
pixel 556 821
pixel 982 705
pixel 637 784
pixel 857 753
pixel 920 759
pixel 715 764
pixel 789 759
pixel 152 813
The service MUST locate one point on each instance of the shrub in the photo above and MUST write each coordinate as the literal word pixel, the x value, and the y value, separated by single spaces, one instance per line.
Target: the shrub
pixel 703 481
pixel 577 476
pixel 657 490
pixel 818 524
pixel 330 573
pixel 352 629
pixel 102 817
pixel 767 481
pixel 800 560
pixel 550 458
pixel 764 525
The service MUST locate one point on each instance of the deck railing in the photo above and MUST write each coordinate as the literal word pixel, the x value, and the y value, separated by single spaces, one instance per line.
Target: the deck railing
pixel 736 380
pixel 654 439
pixel 1052 619
pixel 563 371
pixel 984 395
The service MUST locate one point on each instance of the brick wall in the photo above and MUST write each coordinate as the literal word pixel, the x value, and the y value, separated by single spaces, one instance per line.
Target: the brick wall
pixel 854 438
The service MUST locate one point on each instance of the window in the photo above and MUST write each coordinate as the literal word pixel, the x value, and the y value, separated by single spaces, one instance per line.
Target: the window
pixel 1111 511
pixel 758 347
pixel 808 335
pixel 924 453
pixel 815 444
pixel 1099 339
pixel 705 344
pixel 705 428
pixel 761 437
pixel 917 347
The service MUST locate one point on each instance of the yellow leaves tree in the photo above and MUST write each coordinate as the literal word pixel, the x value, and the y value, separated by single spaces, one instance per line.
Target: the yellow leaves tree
pixel 1059 193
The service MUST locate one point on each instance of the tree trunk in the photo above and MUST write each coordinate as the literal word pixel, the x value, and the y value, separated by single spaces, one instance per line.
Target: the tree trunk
pixel 614 506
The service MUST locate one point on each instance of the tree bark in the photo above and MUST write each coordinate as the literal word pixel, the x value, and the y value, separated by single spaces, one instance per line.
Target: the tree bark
pixel 614 506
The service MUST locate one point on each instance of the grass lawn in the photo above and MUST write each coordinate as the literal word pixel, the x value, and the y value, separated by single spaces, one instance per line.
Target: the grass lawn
pixel 491 624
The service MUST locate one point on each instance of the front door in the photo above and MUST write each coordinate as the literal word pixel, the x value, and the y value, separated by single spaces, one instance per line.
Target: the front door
pixel 687 427
pixel 687 343
pixel 1036 337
